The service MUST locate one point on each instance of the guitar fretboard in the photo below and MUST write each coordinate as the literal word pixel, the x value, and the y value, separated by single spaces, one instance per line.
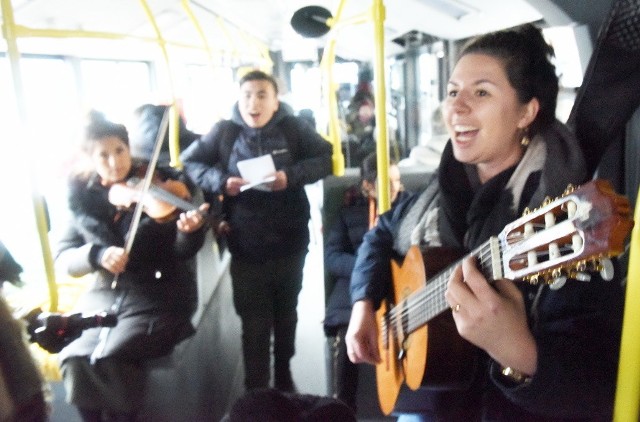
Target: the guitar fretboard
pixel 426 303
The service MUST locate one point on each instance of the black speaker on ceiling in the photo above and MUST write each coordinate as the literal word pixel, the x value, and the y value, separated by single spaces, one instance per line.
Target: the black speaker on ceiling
pixel 311 21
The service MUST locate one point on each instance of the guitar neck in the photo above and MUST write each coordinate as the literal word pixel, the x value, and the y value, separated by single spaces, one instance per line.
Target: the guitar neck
pixel 426 303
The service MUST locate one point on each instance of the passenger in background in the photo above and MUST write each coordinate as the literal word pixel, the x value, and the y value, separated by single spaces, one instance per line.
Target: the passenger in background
pixel 153 299
pixel 427 154
pixel 144 128
pixel 361 129
pixel 361 121
pixel 357 215
pixel 268 224
pixel 542 354
pixel 307 115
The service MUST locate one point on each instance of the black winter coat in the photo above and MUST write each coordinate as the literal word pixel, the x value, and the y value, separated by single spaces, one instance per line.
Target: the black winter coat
pixel 264 225
pixel 156 293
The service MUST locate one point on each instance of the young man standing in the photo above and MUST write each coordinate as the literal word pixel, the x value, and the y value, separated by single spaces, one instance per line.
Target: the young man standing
pixel 266 225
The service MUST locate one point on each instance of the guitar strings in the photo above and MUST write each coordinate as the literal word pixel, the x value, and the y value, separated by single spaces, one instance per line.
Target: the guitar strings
pixel 419 303
pixel 417 308
pixel 421 299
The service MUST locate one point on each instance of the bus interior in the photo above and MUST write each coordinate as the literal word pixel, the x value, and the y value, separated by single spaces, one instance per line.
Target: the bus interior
pixel 60 58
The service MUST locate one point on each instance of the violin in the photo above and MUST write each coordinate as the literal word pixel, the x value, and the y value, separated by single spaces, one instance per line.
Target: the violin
pixel 164 199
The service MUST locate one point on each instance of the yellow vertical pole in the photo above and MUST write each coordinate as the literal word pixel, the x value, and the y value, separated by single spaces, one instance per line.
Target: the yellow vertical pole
pixel 37 199
pixel 328 60
pixel 382 144
pixel 628 389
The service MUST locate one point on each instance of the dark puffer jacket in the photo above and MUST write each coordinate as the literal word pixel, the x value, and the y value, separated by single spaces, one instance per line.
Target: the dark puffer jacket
pixel 157 291
pixel 264 225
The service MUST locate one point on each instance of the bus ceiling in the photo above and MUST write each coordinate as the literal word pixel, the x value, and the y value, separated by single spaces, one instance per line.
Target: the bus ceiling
pixel 223 29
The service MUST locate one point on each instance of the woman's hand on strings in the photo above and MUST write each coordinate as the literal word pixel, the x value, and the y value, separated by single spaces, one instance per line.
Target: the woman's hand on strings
pixel 492 316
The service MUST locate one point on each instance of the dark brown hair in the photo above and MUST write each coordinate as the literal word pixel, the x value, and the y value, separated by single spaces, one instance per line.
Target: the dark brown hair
pixel 527 61
pixel 259 75
pixel 98 127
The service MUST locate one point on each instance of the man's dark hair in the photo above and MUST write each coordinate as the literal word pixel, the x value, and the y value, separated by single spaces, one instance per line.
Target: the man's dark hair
pixel 259 75
pixel 270 405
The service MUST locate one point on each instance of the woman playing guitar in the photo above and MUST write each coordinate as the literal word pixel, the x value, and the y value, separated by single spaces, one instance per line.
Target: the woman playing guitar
pixel 538 352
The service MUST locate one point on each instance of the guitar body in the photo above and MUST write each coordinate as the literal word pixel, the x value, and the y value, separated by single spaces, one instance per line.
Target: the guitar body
pixel 433 355
pixel 419 344
pixel 391 371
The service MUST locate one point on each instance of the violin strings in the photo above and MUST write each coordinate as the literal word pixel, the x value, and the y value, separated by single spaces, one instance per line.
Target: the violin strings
pixel 172 199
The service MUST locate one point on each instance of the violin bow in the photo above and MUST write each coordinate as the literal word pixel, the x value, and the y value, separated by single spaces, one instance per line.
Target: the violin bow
pixel 146 184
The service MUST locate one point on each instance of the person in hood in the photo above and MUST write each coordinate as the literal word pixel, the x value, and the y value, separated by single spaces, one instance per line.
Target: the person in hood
pixel 267 226
pixel 538 352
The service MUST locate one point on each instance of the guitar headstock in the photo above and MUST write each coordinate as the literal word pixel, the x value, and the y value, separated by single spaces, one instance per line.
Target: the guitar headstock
pixel 568 236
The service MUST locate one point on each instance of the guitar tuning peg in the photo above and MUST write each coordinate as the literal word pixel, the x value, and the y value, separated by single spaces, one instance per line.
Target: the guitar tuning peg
pixel 401 354
pixel 558 282
pixel 582 276
pixel 533 279
pixel 606 269
pixel 570 189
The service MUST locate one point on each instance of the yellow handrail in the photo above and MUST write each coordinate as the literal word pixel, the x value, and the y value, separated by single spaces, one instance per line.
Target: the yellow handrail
pixel 377 15
pixel 628 388
pixel 380 95
pixel 37 199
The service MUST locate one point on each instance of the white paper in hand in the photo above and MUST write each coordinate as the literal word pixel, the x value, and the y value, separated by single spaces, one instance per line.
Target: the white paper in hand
pixel 257 171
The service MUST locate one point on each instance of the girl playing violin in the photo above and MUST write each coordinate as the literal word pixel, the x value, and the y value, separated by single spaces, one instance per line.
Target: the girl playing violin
pixel 154 296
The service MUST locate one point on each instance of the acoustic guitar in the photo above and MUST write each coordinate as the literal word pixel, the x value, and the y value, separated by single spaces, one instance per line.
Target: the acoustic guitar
pixel 566 238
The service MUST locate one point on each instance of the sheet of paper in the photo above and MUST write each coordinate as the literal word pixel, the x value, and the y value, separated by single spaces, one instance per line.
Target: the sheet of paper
pixel 256 185
pixel 257 171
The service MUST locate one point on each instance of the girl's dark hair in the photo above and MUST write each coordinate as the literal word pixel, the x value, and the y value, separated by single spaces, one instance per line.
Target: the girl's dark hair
pixel 527 61
pixel 98 127
pixel 259 75
pixel 369 167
